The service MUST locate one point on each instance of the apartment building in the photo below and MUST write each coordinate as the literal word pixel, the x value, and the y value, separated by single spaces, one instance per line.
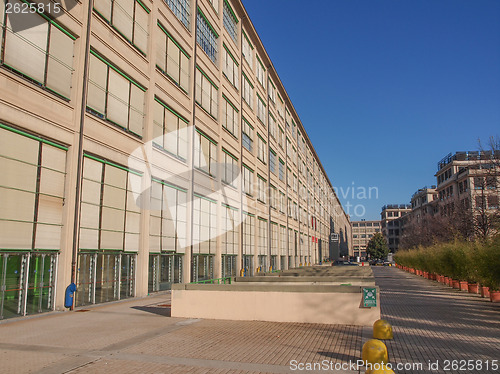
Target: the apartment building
pixel 424 204
pixel 470 179
pixel 145 143
pixel 362 232
pixel 393 219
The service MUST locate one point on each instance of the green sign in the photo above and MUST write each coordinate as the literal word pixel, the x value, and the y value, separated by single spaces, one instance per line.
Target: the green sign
pixel 369 297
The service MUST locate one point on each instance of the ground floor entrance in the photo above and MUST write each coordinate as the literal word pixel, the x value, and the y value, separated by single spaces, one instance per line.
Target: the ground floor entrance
pixel 27 283
pixel 103 277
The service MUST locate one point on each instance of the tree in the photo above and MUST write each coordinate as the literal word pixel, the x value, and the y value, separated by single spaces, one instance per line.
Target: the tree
pixel 377 247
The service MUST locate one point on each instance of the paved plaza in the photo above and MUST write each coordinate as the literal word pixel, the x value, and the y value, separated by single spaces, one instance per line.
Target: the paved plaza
pixel 431 322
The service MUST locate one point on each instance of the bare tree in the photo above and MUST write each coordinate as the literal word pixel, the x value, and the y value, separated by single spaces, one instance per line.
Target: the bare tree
pixel 485 204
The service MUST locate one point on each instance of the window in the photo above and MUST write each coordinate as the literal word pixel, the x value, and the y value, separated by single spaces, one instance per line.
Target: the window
pixel 262 149
pixel 206 36
pixel 230 66
pixel 261 196
pixel 43 53
pixel 281 171
pixel 204 225
pixel 281 137
pixel 230 228
pixel 172 60
pixel 294 183
pixel 170 130
pixel 33 173
pixel 168 219
pixel 493 202
pixel 272 91
pixel 262 237
pixel 247 135
pixel 247 91
pixel 272 161
pixel 272 126
pixel 289 207
pixel 230 21
pixel 295 211
pixel 280 106
pixel 182 10
pixel 247 179
pixel 247 50
pixel 282 202
pixel 205 154
pixel 206 93
pixel 261 109
pixel 274 238
pixel 273 197
pixel 231 169
pixel 230 116
pixel 283 240
pixel 110 218
pixel 261 71
pixel 129 17
pixel 248 233
pixel 115 96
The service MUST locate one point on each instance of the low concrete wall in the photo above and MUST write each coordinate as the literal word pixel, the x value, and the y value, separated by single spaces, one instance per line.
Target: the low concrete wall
pixel 276 303
pixel 365 281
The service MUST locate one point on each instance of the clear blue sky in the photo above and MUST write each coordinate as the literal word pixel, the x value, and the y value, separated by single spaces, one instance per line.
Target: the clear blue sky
pixel 386 88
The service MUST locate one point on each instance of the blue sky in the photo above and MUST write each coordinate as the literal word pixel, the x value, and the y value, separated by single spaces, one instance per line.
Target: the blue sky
pixel 386 88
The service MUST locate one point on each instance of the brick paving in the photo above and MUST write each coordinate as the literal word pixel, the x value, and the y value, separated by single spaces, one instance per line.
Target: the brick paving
pixel 435 322
pixel 138 336
pixel 431 322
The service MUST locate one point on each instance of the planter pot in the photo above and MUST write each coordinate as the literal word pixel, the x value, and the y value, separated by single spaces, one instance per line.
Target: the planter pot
pixel 447 281
pixel 495 296
pixel 464 286
pixel 473 288
pixel 456 284
pixel 485 291
pixel 434 277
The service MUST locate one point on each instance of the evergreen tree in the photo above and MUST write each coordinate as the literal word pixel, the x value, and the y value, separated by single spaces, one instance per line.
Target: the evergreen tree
pixel 377 247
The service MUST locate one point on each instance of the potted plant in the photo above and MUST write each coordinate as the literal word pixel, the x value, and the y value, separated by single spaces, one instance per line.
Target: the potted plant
pixel 489 269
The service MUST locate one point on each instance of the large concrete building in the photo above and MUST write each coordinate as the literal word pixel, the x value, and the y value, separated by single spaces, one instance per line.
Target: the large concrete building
pixel 362 232
pixel 144 143
pixel 424 204
pixel 470 179
pixel 393 219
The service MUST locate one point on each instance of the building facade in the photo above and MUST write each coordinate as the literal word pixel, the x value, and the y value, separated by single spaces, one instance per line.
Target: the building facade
pixel 393 219
pixel 424 204
pixel 145 143
pixel 362 232
pixel 470 179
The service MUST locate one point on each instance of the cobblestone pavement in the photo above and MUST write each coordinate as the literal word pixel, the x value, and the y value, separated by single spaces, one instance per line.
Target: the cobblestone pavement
pixel 430 321
pixel 433 322
pixel 138 336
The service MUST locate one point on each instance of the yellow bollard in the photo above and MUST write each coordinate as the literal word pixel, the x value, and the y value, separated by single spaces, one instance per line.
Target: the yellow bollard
pixel 374 351
pixel 382 330
pixel 242 272
pixel 270 269
pixel 300 265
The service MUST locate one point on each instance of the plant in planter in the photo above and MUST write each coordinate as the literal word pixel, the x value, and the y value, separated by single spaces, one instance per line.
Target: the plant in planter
pixel 489 267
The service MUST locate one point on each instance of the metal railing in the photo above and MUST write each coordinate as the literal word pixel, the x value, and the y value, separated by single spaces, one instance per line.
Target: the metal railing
pixel 226 280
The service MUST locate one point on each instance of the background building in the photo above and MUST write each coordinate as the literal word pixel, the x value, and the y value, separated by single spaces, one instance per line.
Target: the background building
pixel 424 204
pixel 393 219
pixel 362 232
pixel 148 142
